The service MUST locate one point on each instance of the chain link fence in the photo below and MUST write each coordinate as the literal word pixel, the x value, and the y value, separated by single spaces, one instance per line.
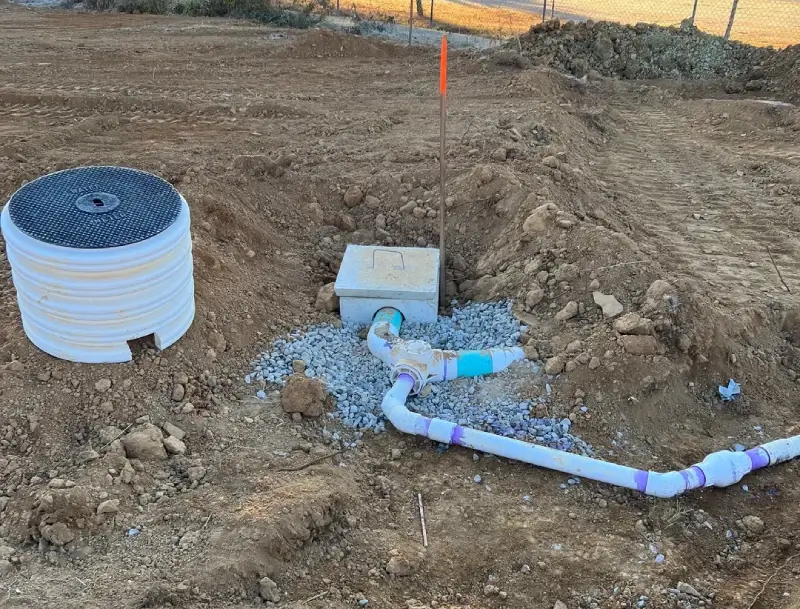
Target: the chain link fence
pixel 758 22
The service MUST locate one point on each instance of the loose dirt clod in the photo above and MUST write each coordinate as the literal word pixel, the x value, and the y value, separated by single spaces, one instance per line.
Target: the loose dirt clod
pixel 304 395
pixel 145 444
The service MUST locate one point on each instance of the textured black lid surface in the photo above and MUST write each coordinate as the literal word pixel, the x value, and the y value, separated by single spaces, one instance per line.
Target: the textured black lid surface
pixel 95 207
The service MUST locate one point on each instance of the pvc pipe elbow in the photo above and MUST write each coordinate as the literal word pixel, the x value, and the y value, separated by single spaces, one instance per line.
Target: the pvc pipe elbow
pixel 384 333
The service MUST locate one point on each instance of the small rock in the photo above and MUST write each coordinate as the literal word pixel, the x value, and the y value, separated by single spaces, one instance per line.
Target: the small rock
pixel 269 589
pixel 304 395
pixel 640 345
pixel 753 524
pixel 534 297
pixel 396 454
pixel 566 272
pixel 57 483
pixel 250 254
pixel 44 376
pixel 58 534
pixel 540 221
pixel 5 567
pixel 660 295
pixel 688 589
pixel 485 175
pixel 327 300
pixel 594 363
pixel 568 312
pixel 187 408
pixel 111 506
pixel 298 366
pixel 196 472
pixel 594 285
pixel 87 456
pixel 633 323
pixel 380 221
pixel 174 446
pixel 559 605
pixel 490 590
pixel 610 305
pixel 551 161
pixel 398 566
pixel 372 201
pixel 173 430
pixel 353 196
pixel 554 365
pixel 500 154
pixel 525 569
pixel 103 385
pixel 217 341
pixel 531 353
pixel 145 445
pixel 784 545
pixel 347 223
pixel 178 391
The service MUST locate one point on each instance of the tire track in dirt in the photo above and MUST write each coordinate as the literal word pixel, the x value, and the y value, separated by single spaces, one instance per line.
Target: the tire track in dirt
pixel 101 101
pixel 700 216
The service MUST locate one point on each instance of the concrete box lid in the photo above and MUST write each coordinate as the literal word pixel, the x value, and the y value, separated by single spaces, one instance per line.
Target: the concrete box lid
pixel 371 271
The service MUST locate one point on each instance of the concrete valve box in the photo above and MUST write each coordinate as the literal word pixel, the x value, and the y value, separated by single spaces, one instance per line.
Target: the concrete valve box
pixel 373 277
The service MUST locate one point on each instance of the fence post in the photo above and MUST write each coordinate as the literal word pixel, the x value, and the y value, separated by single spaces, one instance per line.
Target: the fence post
pixel 410 19
pixel 694 12
pixel 431 13
pixel 730 21
pixel 544 10
pixel 552 9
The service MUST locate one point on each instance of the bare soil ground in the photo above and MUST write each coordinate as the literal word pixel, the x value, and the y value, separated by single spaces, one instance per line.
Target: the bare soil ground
pixel 638 184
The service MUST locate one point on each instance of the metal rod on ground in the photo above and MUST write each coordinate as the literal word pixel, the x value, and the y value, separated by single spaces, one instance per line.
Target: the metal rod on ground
pixel 431 13
pixel 422 520
pixel 410 19
pixel 730 21
pixel 442 193
pixel 694 12
pixel 552 9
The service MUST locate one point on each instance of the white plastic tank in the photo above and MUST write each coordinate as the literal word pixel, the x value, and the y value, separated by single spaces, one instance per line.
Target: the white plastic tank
pixel 100 256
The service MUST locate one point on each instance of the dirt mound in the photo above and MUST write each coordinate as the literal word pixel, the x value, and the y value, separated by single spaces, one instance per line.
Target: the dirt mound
pixel 638 52
pixel 784 67
pixel 325 43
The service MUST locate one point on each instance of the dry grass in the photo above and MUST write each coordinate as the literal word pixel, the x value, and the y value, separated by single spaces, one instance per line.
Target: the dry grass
pixel 465 17
pixel 762 22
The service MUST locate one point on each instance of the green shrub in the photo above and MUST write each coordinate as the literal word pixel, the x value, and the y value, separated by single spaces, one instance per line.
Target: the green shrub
pixel 152 7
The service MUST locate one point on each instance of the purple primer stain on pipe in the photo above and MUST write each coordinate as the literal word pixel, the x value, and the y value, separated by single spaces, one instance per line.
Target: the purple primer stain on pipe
pixel 640 478
pixel 455 437
pixel 758 457
pixel 445 369
pixel 423 425
pixel 687 480
pixel 700 474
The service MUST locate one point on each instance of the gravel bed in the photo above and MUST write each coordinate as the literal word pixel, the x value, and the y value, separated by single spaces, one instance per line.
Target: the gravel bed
pixel 358 381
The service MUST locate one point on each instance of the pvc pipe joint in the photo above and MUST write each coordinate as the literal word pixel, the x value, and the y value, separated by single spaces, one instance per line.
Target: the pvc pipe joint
pixel 414 366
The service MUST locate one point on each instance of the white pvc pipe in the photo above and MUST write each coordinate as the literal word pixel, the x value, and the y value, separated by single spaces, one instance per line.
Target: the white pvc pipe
pixel 720 469
pixel 427 365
